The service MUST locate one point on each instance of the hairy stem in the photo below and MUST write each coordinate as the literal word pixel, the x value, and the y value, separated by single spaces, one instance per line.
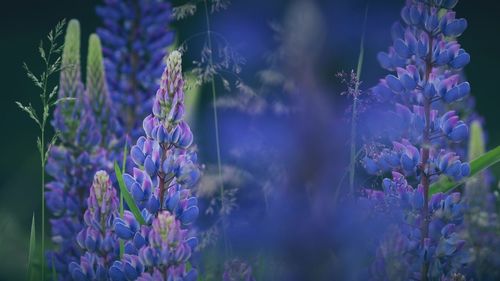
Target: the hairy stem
pixel 216 124
pixel 162 176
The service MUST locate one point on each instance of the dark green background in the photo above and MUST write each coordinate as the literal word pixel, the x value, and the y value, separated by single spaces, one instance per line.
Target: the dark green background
pixel 23 23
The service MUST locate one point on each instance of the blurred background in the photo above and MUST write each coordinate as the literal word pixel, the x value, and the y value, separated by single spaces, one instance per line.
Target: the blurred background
pixel 325 36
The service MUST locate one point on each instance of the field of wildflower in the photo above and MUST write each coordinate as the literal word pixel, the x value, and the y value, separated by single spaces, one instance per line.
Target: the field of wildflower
pixel 219 140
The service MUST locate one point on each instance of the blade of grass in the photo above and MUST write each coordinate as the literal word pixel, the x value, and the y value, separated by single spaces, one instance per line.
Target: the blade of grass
pixel 31 251
pixel 54 272
pixel 216 128
pixel 476 148
pixel 124 164
pixel 476 141
pixel 477 165
pixel 127 197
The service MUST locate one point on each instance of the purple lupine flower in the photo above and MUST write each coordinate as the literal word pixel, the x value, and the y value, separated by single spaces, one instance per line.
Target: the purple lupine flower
pixel 426 62
pixel 237 270
pixel 135 37
pixel 165 170
pixel 97 239
pixel 73 162
pixel 168 249
pixel 128 268
pixel 401 252
pixel 86 134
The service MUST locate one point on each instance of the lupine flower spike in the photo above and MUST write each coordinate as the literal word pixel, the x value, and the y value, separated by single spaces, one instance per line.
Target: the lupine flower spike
pixel 97 239
pixel 165 169
pixel 135 38
pixel 73 162
pixel 425 60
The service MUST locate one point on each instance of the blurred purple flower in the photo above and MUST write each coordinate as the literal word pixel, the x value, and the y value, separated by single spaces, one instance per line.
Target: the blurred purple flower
pixel 135 38
pixel 237 270
pixel 426 61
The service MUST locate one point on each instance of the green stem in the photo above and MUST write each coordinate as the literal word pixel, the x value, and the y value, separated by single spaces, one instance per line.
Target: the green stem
pixel 216 124
pixel 43 203
pixel 352 164
pixel 43 158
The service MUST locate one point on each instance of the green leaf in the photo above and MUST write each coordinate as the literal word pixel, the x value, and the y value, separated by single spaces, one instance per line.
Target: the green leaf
pixel 477 165
pixel 125 151
pixel 126 195
pixel 476 148
pixel 122 244
pixel 476 140
pixel 54 272
pixel 31 251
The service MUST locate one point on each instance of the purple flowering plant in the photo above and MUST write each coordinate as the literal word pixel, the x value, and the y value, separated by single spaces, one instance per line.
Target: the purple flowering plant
pixel 426 60
pixel 135 37
pixel 159 185
pixel 124 192
pixel 86 141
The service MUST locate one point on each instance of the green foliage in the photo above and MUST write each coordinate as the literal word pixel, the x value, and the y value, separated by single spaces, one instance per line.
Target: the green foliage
pixel 31 251
pixel 477 165
pixel 476 148
pixel 51 59
pixel 124 164
pixel 126 195
pixel 52 62
pixel 476 141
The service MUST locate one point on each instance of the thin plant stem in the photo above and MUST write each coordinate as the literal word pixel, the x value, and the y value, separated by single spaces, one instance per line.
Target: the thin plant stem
pixel 43 159
pixel 216 124
pixel 344 175
pixel 43 212
pixel 47 101
pixel 352 163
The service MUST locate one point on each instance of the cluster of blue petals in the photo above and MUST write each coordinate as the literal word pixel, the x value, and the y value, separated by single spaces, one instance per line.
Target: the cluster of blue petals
pixel 426 62
pixel 160 185
pixel 135 38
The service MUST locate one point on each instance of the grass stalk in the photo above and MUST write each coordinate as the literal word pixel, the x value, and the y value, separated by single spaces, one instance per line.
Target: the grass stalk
pixel 352 153
pixel 216 124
